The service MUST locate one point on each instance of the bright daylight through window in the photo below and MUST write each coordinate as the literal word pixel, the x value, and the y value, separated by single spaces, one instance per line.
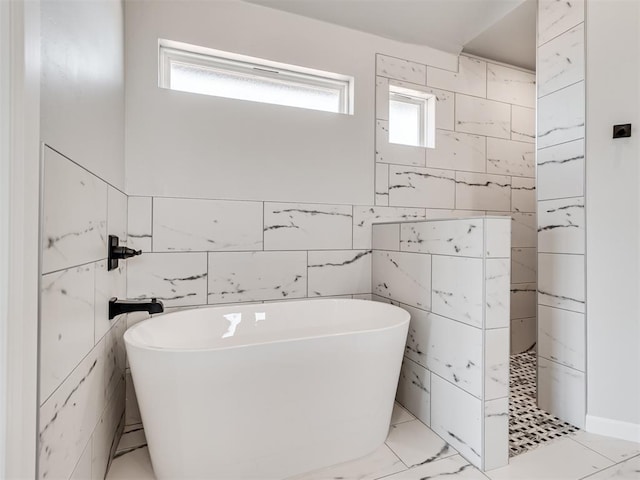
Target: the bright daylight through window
pixel 411 117
pixel 195 69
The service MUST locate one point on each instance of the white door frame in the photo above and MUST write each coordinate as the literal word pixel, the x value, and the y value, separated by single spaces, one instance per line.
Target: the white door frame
pixel 19 234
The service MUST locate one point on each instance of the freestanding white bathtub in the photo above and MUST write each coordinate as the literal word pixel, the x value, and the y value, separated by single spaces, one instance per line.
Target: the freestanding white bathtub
pixel 266 391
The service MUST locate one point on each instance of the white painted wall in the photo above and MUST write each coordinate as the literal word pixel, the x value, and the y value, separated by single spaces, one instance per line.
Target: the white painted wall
pixel 613 219
pixel 83 84
pixel 184 145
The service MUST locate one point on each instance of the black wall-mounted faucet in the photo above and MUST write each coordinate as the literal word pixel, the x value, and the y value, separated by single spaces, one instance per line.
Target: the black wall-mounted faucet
pixel 118 307
pixel 116 252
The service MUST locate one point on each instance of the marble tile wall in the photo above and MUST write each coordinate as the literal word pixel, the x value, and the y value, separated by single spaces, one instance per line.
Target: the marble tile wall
pixel 453 277
pixel 82 354
pixel 483 161
pixel 561 298
pixel 215 251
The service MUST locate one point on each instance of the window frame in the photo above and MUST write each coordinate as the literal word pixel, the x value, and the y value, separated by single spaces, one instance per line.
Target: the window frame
pixel 171 52
pixel 427 103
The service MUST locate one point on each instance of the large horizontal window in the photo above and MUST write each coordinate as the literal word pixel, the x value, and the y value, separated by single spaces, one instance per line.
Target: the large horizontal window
pixel 211 72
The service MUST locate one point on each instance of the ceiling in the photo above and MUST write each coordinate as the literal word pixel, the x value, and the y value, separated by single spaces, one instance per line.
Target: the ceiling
pixel 502 30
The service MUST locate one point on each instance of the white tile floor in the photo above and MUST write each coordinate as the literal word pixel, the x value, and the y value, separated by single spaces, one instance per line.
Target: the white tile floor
pixel 413 452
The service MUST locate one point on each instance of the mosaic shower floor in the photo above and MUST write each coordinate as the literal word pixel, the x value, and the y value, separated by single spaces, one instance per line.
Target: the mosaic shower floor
pixel 529 427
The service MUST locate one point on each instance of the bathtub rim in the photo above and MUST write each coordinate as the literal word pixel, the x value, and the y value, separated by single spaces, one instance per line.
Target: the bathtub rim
pixel 133 343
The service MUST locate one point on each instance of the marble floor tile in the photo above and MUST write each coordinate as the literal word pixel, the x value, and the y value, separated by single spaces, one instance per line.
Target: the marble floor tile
pixel 627 470
pixel 452 468
pixel 614 449
pixel 134 465
pixel 400 415
pixel 378 464
pixel 416 444
pixel 563 459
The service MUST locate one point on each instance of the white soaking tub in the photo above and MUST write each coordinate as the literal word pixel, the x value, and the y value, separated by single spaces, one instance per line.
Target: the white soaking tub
pixel 266 391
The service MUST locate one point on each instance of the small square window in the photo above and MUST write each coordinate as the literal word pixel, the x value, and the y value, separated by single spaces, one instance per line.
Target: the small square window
pixel 411 117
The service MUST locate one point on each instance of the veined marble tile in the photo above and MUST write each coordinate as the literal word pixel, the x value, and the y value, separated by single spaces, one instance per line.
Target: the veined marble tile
pixel 471 77
pixel 251 276
pixel 483 192
pixel 523 195
pixel 108 284
pixel 507 157
pixel 386 236
pixel 523 300
pixel 339 272
pixel 560 459
pixel 459 362
pixel 382 98
pixel 132 411
pixel 404 277
pixel 392 67
pixel 443 237
pixel 114 360
pixel 444 101
pixel 363 296
pixel 496 433
pixel 363 217
pixel 382 462
pixel 614 449
pixel 561 337
pixel 496 363
pixel 300 226
pixel 497 290
pixel 68 417
pixel 66 326
pixel 458 151
pixel 382 184
pixel 457 417
pixel 562 392
pixel 136 464
pixel 626 470
pixel 419 335
pixel 446 214
pixel 561 116
pixel 561 226
pixel 78 235
pixel 414 390
pixel 181 224
pixel 105 434
pixel 524 232
pixel 457 288
pixel 561 281
pixel 523 124
pixel 396 153
pixel 524 265
pixel 139 227
pixel 483 117
pixel 117 213
pixel 561 61
pixel 561 171
pixel 511 85
pixel 400 415
pixel 177 279
pixel 498 237
pixel 421 187
pixel 523 334
pixel 451 468
pixel 416 444
pixel 83 467
pixel 132 437
pixel 556 17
